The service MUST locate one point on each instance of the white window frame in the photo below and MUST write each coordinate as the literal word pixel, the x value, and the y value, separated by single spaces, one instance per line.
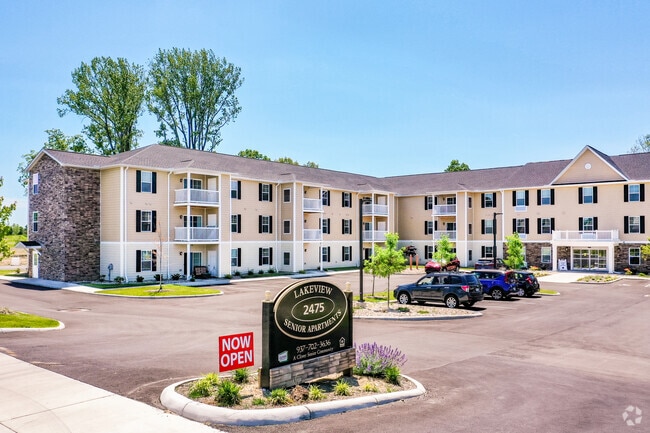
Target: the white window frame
pixel 266 256
pixel 34 222
pixel 195 220
pixel 325 227
pixel 234 189
pixel 430 226
pixel 146 220
pixel 324 254
pixel 266 192
pixel 347 226
pixel 234 224
pixel 194 183
pixel 520 198
pixel 546 226
pixel 266 224
pixel 489 226
pixel 489 251
pixel 347 199
pixel 286 195
pixel 488 196
pixel 325 197
pixel 546 253
pixel 634 224
pixel 587 195
pixel 520 225
pixel 429 202
pixel 634 192
pixel 286 227
pixel 146 181
pixel 587 224
pixel 634 256
pixel 545 197
pixel 35 179
pixel 234 257
pixel 347 254
pixel 146 260
pixel 286 258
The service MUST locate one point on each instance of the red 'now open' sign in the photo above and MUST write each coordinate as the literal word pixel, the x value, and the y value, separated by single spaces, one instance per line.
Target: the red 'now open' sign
pixel 236 351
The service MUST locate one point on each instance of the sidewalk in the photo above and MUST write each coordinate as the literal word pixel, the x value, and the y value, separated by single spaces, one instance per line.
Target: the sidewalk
pixel 35 400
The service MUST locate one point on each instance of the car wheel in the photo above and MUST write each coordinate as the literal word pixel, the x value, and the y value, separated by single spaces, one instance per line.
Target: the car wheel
pixel 451 301
pixel 403 298
pixel 497 294
pixel 521 292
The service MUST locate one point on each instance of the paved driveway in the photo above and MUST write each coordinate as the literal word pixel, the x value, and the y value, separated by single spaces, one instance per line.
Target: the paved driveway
pixel 553 364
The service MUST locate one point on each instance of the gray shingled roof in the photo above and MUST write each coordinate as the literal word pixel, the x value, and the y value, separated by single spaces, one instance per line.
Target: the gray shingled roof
pixel 534 174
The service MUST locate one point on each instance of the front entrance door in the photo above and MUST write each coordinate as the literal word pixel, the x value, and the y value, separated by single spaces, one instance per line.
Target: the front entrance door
pixel 35 257
pixel 589 259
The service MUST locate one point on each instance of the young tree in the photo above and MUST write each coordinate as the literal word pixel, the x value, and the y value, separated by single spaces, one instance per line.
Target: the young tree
pixel 642 144
pixel 192 94
pixel 56 140
pixel 369 268
pixel 514 252
pixel 111 95
pixel 389 260
pixel 456 165
pixel 445 251
pixel 253 154
pixel 645 250
pixel 5 214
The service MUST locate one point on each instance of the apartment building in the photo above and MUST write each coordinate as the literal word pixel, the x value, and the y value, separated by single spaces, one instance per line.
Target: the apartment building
pixel 165 210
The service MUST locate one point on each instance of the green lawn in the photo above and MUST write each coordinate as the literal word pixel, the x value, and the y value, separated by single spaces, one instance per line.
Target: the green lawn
pixel 167 290
pixel 12 272
pixel 15 319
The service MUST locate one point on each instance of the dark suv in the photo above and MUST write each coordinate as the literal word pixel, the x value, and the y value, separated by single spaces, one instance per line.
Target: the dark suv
pixel 496 283
pixel 487 263
pixel 452 288
pixel 527 284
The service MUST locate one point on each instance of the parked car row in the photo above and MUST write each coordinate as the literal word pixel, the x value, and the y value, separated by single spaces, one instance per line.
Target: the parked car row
pixel 467 288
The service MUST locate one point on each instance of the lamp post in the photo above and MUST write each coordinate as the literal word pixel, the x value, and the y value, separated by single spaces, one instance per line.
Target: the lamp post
pixel 494 236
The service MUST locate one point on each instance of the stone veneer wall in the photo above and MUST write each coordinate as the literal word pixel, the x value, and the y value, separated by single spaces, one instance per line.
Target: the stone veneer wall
pixel 622 260
pixel 301 372
pixel 68 206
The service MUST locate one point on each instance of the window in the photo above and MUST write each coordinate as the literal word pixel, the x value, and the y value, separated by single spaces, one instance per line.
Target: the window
pixel 346 199
pixel 520 198
pixel 545 225
pixel 145 181
pixel 145 220
pixel 428 227
pixel 469 229
pixel 520 226
pixel 235 257
pixel 235 189
pixel 235 223
pixel 546 254
pixel 325 197
pixel 265 193
pixel 587 224
pixel 487 252
pixel 347 226
pixel 325 225
pixel 265 224
pixel 35 183
pixel 634 192
pixel 469 202
pixel 428 252
pixel 489 199
pixel 634 224
pixel 346 254
pixel 325 254
pixel 286 195
pixel 588 195
pixel 286 257
pixel 634 256
pixel 145 260
pixel 487 227
pixel 545 197
pixel 194 183
pixel 194 220
pixel 34 221
pixel 469 255
pixel 428 202
pixel 286 227
pixel 265 256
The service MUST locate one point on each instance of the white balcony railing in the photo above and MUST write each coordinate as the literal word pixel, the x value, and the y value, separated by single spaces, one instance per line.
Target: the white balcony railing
pixel 197 234
pixel 580 235
pixel 444 209
pixel 312 205
pixel 199 196
pixel 374 235
pixel 375 209
pixel 312 235
pixel 451 234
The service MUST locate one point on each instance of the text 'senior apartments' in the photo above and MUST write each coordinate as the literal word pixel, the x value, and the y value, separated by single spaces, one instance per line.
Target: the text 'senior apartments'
pixel 165 210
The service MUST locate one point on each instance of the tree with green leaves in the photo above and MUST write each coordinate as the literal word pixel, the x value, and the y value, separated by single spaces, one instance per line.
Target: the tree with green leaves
pixel 369 268
pixel 110 94
pixel 56 140
pixel 192 94
pixel 253 154
pixel 5 214
pixel 444 251
pixel 645 250
pixel 456 165
pixel 514 252
pixel 389 260
pixel 642 144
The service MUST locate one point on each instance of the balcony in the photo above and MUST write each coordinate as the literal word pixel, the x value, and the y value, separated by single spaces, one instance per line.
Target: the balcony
pixel 587 236
pixel 312 205
pixel 444 209
pixel 197 196
pixel 451 234
pixel 375 209
pixel 374 235
pixel 312 235
pixel 196 234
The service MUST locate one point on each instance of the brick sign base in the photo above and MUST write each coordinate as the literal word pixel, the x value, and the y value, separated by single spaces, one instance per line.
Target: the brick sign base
pixel 301 372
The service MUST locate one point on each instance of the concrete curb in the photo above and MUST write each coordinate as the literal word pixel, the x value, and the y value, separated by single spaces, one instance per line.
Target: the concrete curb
pixel 423 317
pixel 58 328
pixel 200 412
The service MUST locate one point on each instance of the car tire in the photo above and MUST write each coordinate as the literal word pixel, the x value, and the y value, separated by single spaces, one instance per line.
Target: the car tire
pixel 403 298
pixel 497 294
pixel 530 294
pixel 469 304
pixel 521 292
pixel 451 301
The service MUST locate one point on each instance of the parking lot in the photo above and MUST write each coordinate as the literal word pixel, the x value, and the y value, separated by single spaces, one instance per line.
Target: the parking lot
pixel 572 362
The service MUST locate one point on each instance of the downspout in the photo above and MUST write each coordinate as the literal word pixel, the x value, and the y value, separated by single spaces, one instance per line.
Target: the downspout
pixel 279 226
pixel 123 220
pixel 188 228
pixel 295 220
pixel 169 186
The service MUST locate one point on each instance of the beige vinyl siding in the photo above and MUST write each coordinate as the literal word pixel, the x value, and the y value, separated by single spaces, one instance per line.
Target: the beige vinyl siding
pixel 598 171
pixel 110 205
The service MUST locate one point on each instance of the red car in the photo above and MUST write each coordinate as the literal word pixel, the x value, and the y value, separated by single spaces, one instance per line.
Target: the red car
pixel 432 266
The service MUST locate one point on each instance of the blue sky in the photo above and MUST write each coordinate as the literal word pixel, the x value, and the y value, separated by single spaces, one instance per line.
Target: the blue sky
pixel 381 88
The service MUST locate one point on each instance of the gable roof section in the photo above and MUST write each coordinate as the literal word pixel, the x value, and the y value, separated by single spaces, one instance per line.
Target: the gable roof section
pixel 605 169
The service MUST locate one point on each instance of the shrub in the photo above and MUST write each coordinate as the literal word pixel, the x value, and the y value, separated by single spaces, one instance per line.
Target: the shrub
pixel 102 278
pixel 373 359
pixel 227 276
pixel 204 386
pixel 157 277
pixel 279 397
pixel 260 272
pixel 139 278
pixel 370 387
pixel 259 401
pixel 315 393
pixel 241 375
pixel 250 272
pixel 299 393
pixel 342 388
pixel 228 393
pixel 237 274
pixel 392 375
pixel 176 277
pixel 272 271
pixel 119 280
